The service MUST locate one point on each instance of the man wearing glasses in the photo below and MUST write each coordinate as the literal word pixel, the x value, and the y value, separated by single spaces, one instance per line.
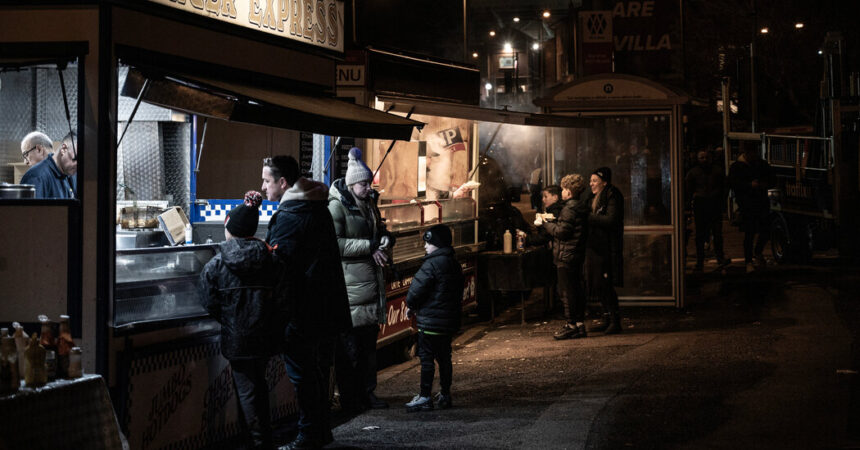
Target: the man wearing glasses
pixel 35 147
pixel 54 176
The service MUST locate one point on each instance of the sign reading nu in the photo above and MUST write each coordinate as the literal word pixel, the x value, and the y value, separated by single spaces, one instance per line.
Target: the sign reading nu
pixel 314 22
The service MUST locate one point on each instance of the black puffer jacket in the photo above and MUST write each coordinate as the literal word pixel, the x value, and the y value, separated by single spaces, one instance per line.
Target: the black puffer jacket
pixel 436 293
pixel 568 232
pixel 245 288
pixel 606 230
pixel 302 232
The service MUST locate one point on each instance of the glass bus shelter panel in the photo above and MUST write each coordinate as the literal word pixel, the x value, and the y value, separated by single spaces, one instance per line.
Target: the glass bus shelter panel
pixel 637 149
pixel 647 265
pixel 31 99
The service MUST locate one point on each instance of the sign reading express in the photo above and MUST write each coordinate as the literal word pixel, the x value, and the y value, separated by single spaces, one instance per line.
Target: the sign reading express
pixel 315 22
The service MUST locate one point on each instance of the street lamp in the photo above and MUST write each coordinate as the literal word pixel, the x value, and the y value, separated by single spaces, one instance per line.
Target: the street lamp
pixel 508 48
pixel 516 20
pixel 492 33
pixel 546 14
pixel 765 30
pixel 798 25
pixel 535 46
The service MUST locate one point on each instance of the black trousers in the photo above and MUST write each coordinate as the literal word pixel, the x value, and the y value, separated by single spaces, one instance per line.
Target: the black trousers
pixel 708 214
pixel 435 347
pixel 754 223
pixel 571 291
pixel 325 361
pixel 252 393
pixel 600 282
pixel 356 365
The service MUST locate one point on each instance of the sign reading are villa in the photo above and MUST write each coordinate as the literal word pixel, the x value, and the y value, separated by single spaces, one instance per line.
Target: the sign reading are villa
pixel 314 22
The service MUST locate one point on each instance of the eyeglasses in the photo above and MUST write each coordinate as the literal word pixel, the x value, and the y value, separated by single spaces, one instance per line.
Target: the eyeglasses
pixel 26 154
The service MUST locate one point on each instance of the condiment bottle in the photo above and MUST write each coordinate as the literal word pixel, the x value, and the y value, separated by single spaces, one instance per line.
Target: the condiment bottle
pixel 64 346
pixel 20 345
pixel 51 364
pixel 35 354
pixel 49 337
pixel 507 245
pixel 9 377
pixel 189 234
pixel 75 367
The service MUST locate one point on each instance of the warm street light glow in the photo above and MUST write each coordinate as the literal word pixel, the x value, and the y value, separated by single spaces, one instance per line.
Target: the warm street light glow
pixel 508 47
pixel 535 46
pixel 488 86
pixel 516 19
pixel 765 30
pixel 546 14
pixel 820 52
pixel 798 25
pixel 492 33
pixel 474 54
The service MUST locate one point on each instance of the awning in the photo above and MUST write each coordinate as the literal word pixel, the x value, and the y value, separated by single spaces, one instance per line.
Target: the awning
pixel 261 106
pixel 431 108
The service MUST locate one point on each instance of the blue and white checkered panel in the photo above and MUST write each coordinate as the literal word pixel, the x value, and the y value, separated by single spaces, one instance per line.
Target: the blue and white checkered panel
pixel 216 210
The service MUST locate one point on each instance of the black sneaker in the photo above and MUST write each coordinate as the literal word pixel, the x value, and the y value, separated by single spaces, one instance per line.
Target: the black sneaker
pixel 375 403
pixel 419 403
pixel 568 331
pixel 443 401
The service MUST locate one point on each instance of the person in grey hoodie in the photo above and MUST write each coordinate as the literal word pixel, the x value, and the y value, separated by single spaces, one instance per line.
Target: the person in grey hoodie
pixel 245 289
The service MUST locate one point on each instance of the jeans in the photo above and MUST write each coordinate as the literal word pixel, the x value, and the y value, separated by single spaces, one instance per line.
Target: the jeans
pixel 435 347
pixel 754 223
pixel 252 393
pixel 301 360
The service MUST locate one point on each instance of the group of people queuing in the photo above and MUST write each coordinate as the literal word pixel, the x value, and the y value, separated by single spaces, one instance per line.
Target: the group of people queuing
pixel 52 171
pixel 586 236
pixel 707 187
pixel 313 292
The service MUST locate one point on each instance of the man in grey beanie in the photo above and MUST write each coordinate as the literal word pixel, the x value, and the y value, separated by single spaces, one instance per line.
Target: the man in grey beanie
pixel 363 242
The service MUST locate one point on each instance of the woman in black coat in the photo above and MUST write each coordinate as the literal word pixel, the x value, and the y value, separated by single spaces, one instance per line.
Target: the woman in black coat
pixel 604 252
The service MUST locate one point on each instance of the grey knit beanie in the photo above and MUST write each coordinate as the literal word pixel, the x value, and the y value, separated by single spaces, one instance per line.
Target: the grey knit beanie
pixel 356 169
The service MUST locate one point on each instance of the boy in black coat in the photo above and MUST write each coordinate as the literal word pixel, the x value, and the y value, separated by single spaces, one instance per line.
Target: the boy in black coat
pixel 245 288
pixel 435 299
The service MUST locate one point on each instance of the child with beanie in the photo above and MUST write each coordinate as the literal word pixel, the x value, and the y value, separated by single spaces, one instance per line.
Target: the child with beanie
pixel 244 288
pixel 434 298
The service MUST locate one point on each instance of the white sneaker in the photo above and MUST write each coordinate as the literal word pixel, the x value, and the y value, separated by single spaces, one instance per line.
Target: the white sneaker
pixel 419 403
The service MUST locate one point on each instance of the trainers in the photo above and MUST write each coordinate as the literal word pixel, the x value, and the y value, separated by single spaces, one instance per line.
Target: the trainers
pixel 419 403
pixel 302 442
pixel 566 332
pixel 443 401
pixel 750 267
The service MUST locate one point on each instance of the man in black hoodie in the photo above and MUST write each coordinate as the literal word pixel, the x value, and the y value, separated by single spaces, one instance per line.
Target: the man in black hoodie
pixel 245 289
pixel 302 232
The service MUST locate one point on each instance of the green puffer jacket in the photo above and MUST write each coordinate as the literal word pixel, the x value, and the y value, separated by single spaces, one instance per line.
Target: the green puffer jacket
pixel 365 281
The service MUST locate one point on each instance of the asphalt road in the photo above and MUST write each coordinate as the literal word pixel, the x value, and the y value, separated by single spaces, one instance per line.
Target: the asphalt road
pixel 755 361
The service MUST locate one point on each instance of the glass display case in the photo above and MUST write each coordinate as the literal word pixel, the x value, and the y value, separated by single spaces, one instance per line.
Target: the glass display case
pixel 409 220
pixel 156 284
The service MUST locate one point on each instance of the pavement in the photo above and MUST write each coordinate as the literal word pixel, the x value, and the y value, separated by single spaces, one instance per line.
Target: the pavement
pixel 761 360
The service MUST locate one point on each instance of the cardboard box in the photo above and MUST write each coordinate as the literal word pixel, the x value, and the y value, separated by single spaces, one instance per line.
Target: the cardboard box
pixel 173 222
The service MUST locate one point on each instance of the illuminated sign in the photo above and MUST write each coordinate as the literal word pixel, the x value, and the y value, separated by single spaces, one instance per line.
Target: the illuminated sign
pixel 314 22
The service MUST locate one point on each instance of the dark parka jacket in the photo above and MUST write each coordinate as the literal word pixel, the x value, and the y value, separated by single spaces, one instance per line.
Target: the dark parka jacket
pixel 436 292
pixel 568 232
pixel 606 231
pixel 246 289
pixel 302 232
pixel 752 201
pixel 365 280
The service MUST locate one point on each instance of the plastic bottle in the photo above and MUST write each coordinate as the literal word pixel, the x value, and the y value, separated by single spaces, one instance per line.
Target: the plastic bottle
pixel 35 354
pixel 64 347
pixel 9 381
pixel 507 244
pixel 75 369
pixel 189 234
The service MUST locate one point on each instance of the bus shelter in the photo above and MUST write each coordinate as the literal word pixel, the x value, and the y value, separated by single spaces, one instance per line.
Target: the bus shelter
pixel 637 131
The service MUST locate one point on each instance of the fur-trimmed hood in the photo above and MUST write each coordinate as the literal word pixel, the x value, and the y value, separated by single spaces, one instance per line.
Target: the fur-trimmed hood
pixel 305 189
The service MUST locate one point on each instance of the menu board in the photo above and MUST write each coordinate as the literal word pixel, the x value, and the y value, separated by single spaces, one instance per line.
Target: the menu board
pixel 341 157
pixel 306 154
